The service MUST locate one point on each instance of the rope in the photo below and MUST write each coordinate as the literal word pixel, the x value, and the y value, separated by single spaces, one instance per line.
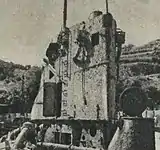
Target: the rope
pixel 83 78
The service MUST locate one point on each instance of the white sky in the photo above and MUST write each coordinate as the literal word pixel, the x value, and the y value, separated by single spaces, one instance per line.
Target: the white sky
pixel 27 26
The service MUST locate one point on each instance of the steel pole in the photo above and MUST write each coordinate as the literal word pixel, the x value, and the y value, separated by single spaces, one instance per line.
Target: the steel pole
pixel 106 6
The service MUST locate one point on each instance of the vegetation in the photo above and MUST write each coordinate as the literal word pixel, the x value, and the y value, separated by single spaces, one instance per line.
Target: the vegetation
pixel 18 85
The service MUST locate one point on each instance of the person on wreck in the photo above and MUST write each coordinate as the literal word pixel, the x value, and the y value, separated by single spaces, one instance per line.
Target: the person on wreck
pixel 52 53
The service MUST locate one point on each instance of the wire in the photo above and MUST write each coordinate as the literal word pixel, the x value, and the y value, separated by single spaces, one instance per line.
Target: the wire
pixel 70 51
pixel 83 78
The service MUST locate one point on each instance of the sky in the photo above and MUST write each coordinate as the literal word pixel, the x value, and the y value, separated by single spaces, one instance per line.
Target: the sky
pixel 28 26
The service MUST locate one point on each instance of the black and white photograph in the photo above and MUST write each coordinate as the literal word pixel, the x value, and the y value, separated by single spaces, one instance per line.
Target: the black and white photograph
pixel 79 75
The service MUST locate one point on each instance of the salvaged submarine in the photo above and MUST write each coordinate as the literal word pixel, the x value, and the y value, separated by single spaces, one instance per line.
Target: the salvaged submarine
pixel 77 94
pixel 78 88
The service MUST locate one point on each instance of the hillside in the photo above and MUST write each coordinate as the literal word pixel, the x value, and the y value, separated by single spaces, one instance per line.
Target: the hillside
pixel 140 66
pixel 18 85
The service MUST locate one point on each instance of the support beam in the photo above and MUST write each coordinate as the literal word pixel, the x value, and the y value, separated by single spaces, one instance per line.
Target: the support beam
pixel 61 146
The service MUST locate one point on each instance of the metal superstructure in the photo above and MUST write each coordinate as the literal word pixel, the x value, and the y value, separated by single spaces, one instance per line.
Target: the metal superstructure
pixel 86 67
pixel 76 103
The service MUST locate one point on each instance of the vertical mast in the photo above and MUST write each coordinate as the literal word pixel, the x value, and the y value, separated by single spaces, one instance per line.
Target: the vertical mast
pixel 106 6
pixel 64 63
pixel 65 14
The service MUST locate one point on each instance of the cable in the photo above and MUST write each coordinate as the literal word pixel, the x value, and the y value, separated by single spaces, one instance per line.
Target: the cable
pixel 83 78
pixel 70 47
